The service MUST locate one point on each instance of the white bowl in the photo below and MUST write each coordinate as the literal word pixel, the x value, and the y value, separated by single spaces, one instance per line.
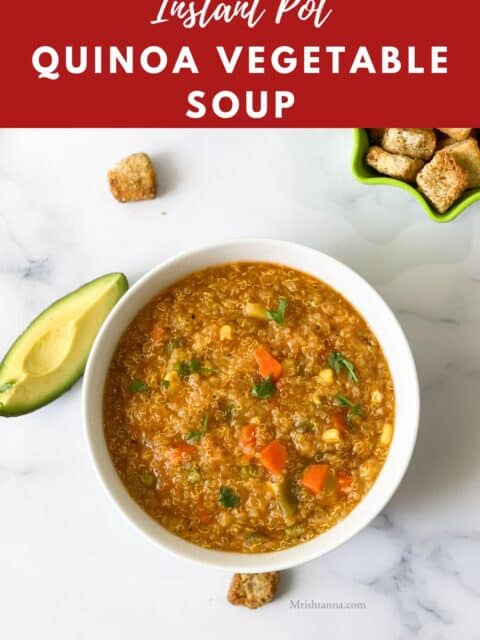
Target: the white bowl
pixel 380 319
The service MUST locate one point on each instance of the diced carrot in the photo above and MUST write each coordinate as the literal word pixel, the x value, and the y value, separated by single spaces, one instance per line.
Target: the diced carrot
pixel 274 457
pixel 344 480
pixel 314 477
pixel 248 439
pixel 204 517
pixel 158 332
pixel 180 452
pixel 267 365
pixel 339 419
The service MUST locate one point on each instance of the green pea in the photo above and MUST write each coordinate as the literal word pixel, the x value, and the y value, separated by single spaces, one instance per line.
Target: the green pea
pixel 148 479
pixel 194 475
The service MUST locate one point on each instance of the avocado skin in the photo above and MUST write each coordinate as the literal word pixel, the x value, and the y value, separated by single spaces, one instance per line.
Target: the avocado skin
pixel 122 286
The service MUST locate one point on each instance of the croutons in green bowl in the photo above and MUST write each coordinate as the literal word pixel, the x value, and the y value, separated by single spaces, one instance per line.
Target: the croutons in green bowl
pixel 367 175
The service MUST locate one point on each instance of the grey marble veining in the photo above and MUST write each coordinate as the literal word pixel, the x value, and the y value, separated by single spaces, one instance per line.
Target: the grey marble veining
pixel 70 566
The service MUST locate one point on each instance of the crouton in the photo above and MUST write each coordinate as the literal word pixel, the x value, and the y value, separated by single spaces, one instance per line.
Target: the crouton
pixel 253 590
pixel 395 166
pixel 415 143
pixel 467 155
pixel 376 135
pixel 457 134
pixel 133 178
pixel 442 181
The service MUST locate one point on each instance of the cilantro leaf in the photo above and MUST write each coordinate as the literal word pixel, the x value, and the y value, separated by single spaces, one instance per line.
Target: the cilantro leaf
pixel 228 498
pixel 194 436
pixel 305 426
pixel 6 386
pixel 354 409
pixel 278 316
pixel 357 410
pixel 165 383
pixel 343 401
pixel 138 386
pixel 195 365
pixel 264 389
pixel 185 369
pixel 337 361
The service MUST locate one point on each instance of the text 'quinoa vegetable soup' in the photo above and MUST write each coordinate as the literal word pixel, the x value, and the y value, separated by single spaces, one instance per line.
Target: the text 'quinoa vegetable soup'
pixel 248 407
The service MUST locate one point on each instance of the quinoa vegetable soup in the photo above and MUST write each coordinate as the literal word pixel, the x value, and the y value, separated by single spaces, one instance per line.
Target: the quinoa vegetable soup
pixel 248 408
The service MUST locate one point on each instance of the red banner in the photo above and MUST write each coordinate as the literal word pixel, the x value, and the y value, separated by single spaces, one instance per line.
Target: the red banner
pixel 270 63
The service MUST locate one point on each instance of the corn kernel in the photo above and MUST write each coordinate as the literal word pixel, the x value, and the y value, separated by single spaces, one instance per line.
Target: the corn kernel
pixel 317 398
pixel 226 332
pixel 255 310
pixel 367 470
pixel 387 433
pixel 331 436
pixel 224 519
pixel 326 376
pixel 289 366
pixel 377 397
pixel 173 380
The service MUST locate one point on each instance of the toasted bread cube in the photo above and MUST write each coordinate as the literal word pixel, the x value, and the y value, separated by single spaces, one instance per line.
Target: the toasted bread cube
pixel 414 143
pixel 442 181
pixel 395 166
pixel 376 135
pixel 457 134
pixel 253 590
pixel 467 155
pixel 133 178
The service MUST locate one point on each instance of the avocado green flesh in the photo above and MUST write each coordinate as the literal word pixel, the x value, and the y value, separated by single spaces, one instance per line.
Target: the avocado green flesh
pixel 51 354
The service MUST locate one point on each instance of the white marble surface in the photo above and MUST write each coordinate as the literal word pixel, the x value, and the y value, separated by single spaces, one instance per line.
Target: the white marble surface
pixel 70 567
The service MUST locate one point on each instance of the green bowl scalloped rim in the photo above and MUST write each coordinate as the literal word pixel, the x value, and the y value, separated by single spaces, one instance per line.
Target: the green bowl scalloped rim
pixel 366 175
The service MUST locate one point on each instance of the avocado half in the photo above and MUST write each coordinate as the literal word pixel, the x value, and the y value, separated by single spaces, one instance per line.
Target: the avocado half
pixel 51 354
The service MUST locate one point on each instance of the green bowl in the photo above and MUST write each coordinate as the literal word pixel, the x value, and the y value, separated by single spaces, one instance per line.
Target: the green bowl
pixel 367 175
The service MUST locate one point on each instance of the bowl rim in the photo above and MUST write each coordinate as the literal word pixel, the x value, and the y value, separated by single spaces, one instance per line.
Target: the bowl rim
pixel 368 176
pixel 366 510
